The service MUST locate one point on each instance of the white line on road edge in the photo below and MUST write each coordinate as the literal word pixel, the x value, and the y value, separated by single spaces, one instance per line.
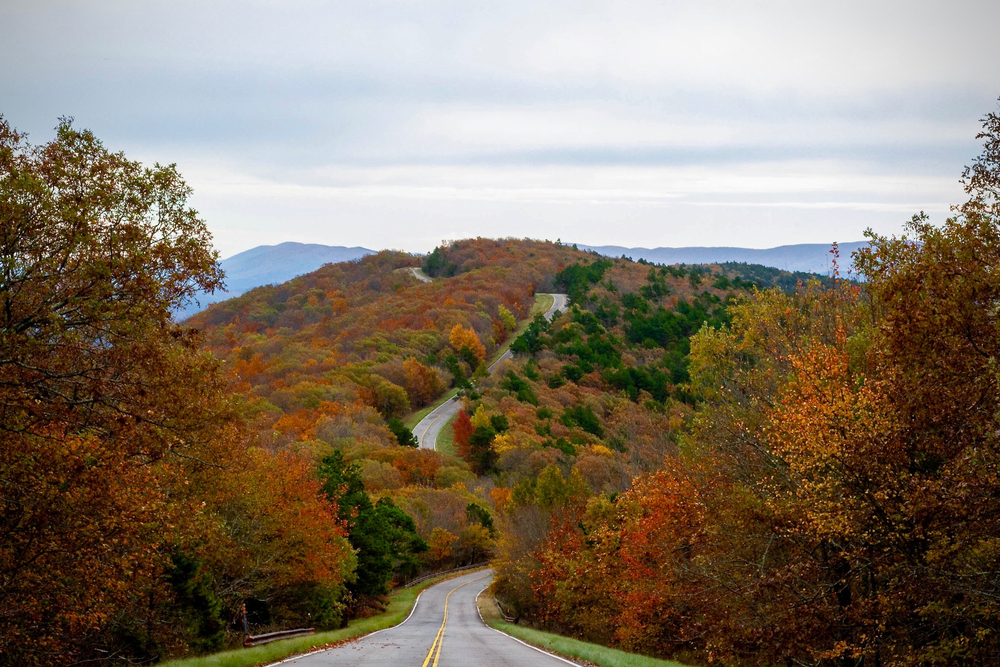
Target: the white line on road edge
pixel 296 657
pixel 540 650
pixel 306 655
pixel 424 434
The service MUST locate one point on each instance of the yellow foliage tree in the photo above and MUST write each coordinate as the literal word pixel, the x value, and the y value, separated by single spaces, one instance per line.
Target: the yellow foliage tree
pixel 440 543
pixel 503 442
pixel 507 318
pixel 475 542
pixel 460 338
pixel 480 418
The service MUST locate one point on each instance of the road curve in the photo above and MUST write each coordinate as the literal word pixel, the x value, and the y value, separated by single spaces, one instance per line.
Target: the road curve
pixel 428 428
pixel 419 274
pixel 444 630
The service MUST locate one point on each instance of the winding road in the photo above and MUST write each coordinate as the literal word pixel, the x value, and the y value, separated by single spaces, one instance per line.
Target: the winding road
pixel 428 428
pixel 443 630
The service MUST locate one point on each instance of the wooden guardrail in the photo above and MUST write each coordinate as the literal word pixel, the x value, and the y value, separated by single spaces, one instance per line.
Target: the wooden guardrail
pixel 257 640
pixel 509 619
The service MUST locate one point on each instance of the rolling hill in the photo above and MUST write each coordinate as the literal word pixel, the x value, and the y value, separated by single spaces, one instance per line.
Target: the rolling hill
pixel 271 265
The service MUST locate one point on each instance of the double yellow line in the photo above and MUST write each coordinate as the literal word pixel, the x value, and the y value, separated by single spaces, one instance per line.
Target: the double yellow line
pixel 435 651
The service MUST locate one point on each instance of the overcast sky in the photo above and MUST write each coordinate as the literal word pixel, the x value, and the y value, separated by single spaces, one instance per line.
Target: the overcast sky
pixel 399 124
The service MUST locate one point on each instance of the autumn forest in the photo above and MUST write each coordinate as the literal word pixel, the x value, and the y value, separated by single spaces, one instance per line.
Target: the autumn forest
pixel 725 463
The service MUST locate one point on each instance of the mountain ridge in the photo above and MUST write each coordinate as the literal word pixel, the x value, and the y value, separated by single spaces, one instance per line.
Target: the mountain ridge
pixel 270 265
pixel 807 257
pixel 275 264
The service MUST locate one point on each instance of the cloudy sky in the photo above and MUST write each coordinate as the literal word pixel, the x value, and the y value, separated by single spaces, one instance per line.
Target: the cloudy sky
pixel 399 124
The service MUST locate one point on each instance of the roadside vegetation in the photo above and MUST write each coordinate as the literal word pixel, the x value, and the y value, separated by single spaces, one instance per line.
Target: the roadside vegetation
pixel 565 646
pixel 446 438
pixel 399 606
pixel 821 482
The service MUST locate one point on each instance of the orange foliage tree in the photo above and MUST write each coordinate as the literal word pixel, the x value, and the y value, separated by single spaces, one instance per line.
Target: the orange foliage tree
pixel 89 525
pixel 279 533
pixel 461 338
pixel 423 384
pixel 463 428
pixel 611 572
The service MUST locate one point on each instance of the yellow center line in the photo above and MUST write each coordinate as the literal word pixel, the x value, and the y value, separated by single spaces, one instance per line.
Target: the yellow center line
pixel 439 639
pixel 422 435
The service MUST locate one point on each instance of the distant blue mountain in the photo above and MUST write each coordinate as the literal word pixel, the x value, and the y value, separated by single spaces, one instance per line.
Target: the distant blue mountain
pixel 808 257
pixel 271 265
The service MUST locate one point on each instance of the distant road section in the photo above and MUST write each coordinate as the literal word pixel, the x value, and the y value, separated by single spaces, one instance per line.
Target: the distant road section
pixel 559 303
pixel 419 274
pixel 428 428
pixel 444 630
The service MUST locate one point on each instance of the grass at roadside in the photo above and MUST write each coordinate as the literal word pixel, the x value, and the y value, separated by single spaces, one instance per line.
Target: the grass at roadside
pixel 542 303
pixel 400 603
pixel 446 438
pixel 414 418
pixel 564 646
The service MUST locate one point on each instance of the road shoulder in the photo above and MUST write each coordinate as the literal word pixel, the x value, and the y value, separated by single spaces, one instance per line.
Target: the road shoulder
pixel 572 651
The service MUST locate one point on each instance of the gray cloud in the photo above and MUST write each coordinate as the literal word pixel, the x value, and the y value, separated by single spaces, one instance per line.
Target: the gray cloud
pixel 360 111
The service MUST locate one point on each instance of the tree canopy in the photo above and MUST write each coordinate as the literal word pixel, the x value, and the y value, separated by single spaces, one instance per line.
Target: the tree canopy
pixel 836 499
pixel 132 506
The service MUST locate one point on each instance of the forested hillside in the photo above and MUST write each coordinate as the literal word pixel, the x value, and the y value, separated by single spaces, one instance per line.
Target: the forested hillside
pixel 331 362
pixel 157 478
pixel 822 490
pixel 714 463
pixel 269 265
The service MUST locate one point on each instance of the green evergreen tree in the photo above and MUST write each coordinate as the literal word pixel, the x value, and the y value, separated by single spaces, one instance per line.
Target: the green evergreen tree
pixel 384 536
pixel 194 594
pixel 404 436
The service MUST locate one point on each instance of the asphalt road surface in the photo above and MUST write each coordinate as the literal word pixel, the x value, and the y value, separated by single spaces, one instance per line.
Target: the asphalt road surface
pixel 444 630
pixel 428 428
